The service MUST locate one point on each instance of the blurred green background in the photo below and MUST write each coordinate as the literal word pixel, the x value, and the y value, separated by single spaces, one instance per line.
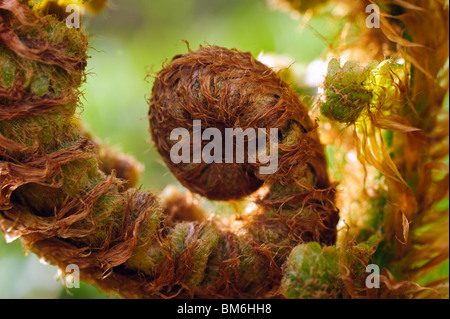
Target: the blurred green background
pixel 129 39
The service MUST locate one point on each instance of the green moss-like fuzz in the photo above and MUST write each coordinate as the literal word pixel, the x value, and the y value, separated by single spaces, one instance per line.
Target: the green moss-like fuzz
pixel 312 272
pixel 351 90
pixel 7 69
pixel 207 241
pixel 345 92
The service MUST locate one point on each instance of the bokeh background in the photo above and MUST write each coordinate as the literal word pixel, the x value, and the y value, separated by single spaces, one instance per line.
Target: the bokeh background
pixel 129 40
